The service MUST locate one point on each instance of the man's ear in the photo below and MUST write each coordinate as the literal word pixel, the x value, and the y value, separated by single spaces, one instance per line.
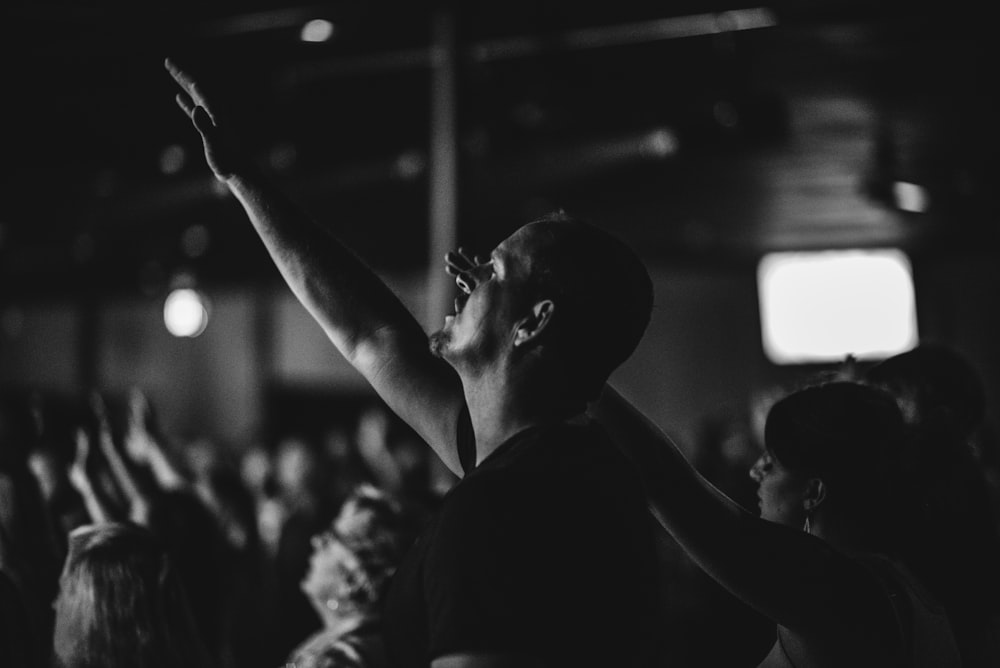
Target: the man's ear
pixel 815 494
pixel 529 328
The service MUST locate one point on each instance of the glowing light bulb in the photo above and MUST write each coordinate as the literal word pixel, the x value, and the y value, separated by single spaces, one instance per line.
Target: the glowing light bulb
pixel 317 30
pixel 185 313
pixel 661 143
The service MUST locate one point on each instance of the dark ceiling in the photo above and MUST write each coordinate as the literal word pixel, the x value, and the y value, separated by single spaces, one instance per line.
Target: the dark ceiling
pixel 789 135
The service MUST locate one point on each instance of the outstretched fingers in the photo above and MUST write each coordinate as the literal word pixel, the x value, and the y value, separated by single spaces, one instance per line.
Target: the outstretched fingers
pixel 192 97
pixel 185 103
pixel 221 153
pixel 203 121
pixel 458 261
pixel 184 80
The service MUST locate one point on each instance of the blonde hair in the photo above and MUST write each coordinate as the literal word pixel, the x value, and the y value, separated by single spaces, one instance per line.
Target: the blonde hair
pixel 122 605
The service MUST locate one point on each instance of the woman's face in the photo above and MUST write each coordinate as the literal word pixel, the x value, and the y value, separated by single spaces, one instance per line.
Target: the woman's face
pixel 780 491
pixel 330 565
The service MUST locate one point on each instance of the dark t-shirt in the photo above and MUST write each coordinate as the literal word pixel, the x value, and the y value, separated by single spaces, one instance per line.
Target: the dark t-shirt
pixel 545 549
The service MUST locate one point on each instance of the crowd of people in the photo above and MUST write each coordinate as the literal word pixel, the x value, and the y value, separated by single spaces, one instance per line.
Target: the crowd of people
pixel 577 533
pixel 224 560
pixel 877 534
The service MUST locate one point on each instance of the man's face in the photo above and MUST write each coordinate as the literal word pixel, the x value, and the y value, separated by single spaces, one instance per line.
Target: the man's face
pixel 490 303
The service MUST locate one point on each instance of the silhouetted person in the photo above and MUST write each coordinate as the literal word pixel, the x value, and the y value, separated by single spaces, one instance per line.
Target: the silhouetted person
pixel 509 571
pixel 957 537
pixel 349 571
pixel 825 559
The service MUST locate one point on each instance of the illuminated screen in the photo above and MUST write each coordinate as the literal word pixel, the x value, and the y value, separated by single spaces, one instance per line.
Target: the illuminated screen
pixel 821 306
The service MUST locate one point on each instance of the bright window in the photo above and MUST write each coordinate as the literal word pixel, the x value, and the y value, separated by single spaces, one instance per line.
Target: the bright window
pixel 821 306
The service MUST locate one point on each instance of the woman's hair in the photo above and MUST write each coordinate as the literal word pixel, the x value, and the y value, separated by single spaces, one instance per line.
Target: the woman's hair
pixel 848 435
pixel 373 529
pixel 121 605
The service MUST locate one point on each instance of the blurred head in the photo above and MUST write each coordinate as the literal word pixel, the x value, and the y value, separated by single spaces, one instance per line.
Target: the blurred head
pixel 933 382
pixel 374 425
pixel 559 289
pixel 256 469
pixel 296 468
pixel 830 448
pixel 338 445
pixel 353 559
pixel 201 456
pixel 121 604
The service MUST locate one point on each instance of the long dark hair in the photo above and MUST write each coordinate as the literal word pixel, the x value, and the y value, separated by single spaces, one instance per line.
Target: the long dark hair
pixel 122 605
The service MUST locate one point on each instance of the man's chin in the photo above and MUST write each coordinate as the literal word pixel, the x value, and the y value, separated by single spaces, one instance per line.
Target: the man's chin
pixel 438 343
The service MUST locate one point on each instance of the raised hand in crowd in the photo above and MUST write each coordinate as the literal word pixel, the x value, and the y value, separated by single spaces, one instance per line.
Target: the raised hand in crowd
pixel 137 502
pixel 145 444
pixel 80 478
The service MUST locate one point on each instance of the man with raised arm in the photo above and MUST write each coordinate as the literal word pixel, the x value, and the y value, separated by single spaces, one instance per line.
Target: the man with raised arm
pixel 542 555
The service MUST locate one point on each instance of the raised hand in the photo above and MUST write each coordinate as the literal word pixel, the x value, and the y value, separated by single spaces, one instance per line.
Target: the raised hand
pixel 78 475
pixel 458 263
pixel 105 440
pixel 142 434
pixel 123 477
pixel 223 157
pixel 144 442
pixel 80 478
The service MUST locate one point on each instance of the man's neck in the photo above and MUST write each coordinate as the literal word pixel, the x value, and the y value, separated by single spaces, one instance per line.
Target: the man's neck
pixel 502 405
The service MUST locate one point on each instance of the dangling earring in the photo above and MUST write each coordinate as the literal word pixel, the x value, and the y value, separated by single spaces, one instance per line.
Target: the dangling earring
pixel 807 526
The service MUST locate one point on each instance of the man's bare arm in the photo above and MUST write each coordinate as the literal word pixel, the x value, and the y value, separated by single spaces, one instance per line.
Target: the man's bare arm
pixel 362 317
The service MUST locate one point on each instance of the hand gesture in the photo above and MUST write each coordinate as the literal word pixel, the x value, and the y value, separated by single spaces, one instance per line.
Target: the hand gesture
pixel 139 433
pixel 78 475
pixel 222 156
pixel 105 440
pixel 458 263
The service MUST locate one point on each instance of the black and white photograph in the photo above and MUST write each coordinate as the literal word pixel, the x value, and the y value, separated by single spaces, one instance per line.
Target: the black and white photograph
pixel 551 334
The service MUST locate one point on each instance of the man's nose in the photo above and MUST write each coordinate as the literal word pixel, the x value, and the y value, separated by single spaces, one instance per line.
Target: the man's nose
pixel 756 471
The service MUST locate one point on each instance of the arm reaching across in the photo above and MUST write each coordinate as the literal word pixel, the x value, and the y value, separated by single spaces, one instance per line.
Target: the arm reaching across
pixel 798 580
pixel 359 313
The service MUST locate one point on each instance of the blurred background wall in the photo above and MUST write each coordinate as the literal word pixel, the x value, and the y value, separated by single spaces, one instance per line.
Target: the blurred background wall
pixel 706 134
